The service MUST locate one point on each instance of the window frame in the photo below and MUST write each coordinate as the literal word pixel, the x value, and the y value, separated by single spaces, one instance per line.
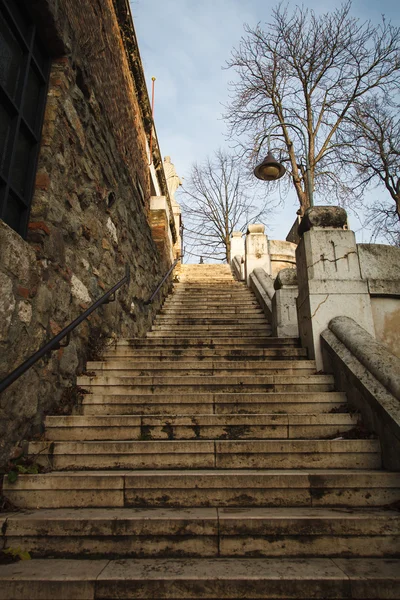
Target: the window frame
pixel 35 59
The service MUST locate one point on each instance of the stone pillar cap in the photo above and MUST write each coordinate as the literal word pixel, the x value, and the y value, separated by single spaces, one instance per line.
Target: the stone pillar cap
pixel 237 234
pixel 286 278
pixel 255 228
pixel 329 217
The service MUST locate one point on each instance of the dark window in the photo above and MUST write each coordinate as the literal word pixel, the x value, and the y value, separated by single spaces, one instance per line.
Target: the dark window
pixel 24 73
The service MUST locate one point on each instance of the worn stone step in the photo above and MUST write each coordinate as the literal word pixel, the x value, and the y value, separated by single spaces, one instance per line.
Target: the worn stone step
pixel 180 369
pixel 216 333
pixel 215 365
pixel 202 578
pixel 213 426
pixel 111 532
pixel 204 291
pixel 240 328
pixel 219 403
pixel 207 454
pixel 178 320
pixel 209 342
pixel 237 299
pixel 202 313
pixel 215 383
pixel 205 354
pixel 206 488
pixel 234 298
pixel 295 379
pixel 272 342
pixel 213 307
pixel 203 532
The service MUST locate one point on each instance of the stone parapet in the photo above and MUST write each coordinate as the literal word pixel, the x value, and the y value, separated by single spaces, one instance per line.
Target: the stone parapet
pixel 282 255
pixel 262 285
pixel 369 374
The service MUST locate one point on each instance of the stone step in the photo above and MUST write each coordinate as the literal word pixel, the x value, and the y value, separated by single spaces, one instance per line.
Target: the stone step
pixel 215 383
pixel 203 532
pixel 233 342
pixel 212 305
pixel 205 488
pixel 227 296
pixel 202 578
pixel 205 354
pixel 202 313
pixel 209 290
pixel 213 426
pixel 266 365
pixel 170 333
pixel 214 328
pixel 201 288
pixel 179 369
pixel 207 454
pixel 220 403
pixel 233 320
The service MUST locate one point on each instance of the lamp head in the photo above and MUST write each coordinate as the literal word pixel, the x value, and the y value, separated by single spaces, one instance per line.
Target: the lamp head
pixel 270 169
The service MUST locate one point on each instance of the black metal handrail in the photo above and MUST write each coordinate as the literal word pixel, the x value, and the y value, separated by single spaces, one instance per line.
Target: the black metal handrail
pixel 154 294
pixel 172 267
pixel 54 343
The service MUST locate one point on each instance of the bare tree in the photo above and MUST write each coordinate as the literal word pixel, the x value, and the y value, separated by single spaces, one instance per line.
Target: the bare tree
pixel 309 71
pixel 371 142
pixel 216 200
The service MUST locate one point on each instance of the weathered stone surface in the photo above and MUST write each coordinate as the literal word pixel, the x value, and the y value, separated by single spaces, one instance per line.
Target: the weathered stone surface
pixel 255 228
pixel 7 305
pixel 379 262
pixel 330 285
pixel 79 290
pixel 25 312
pixel 386 315
pixel 380 267
pixel 380 410
pixel 332 217
pixel 286 277
pixel 282 254
pixel 381 363
pixel 256 251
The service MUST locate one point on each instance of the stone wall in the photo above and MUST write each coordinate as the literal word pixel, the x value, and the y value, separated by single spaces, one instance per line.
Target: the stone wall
pixel 89 214
pixel 380 267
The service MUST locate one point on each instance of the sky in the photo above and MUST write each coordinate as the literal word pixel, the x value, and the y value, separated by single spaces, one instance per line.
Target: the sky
pixel 185 45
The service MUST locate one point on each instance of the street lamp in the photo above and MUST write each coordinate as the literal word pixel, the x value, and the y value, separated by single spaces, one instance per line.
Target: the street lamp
pixel 271 170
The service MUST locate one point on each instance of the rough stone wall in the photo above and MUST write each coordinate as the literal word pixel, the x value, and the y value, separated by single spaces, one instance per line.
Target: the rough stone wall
pixel 88 218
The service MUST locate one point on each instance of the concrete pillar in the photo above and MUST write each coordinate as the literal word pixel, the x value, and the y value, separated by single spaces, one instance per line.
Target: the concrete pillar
pixel 284 308
pixel 237 245
pixel 329 277
pixel 257 254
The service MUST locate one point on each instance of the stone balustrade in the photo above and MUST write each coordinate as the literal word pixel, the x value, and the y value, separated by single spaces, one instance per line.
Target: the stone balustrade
pixel 370 376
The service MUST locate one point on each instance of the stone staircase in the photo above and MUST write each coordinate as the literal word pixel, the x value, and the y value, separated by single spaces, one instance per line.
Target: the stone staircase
pixel 209 461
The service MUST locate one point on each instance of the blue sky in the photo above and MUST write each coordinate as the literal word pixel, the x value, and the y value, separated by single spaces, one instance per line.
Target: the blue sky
pixel 185 44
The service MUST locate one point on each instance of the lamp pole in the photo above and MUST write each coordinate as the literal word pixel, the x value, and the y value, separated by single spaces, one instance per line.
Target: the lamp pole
pixel 258 171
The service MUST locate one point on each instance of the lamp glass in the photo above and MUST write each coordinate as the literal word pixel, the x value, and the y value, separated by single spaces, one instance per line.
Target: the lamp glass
pixel 269 172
